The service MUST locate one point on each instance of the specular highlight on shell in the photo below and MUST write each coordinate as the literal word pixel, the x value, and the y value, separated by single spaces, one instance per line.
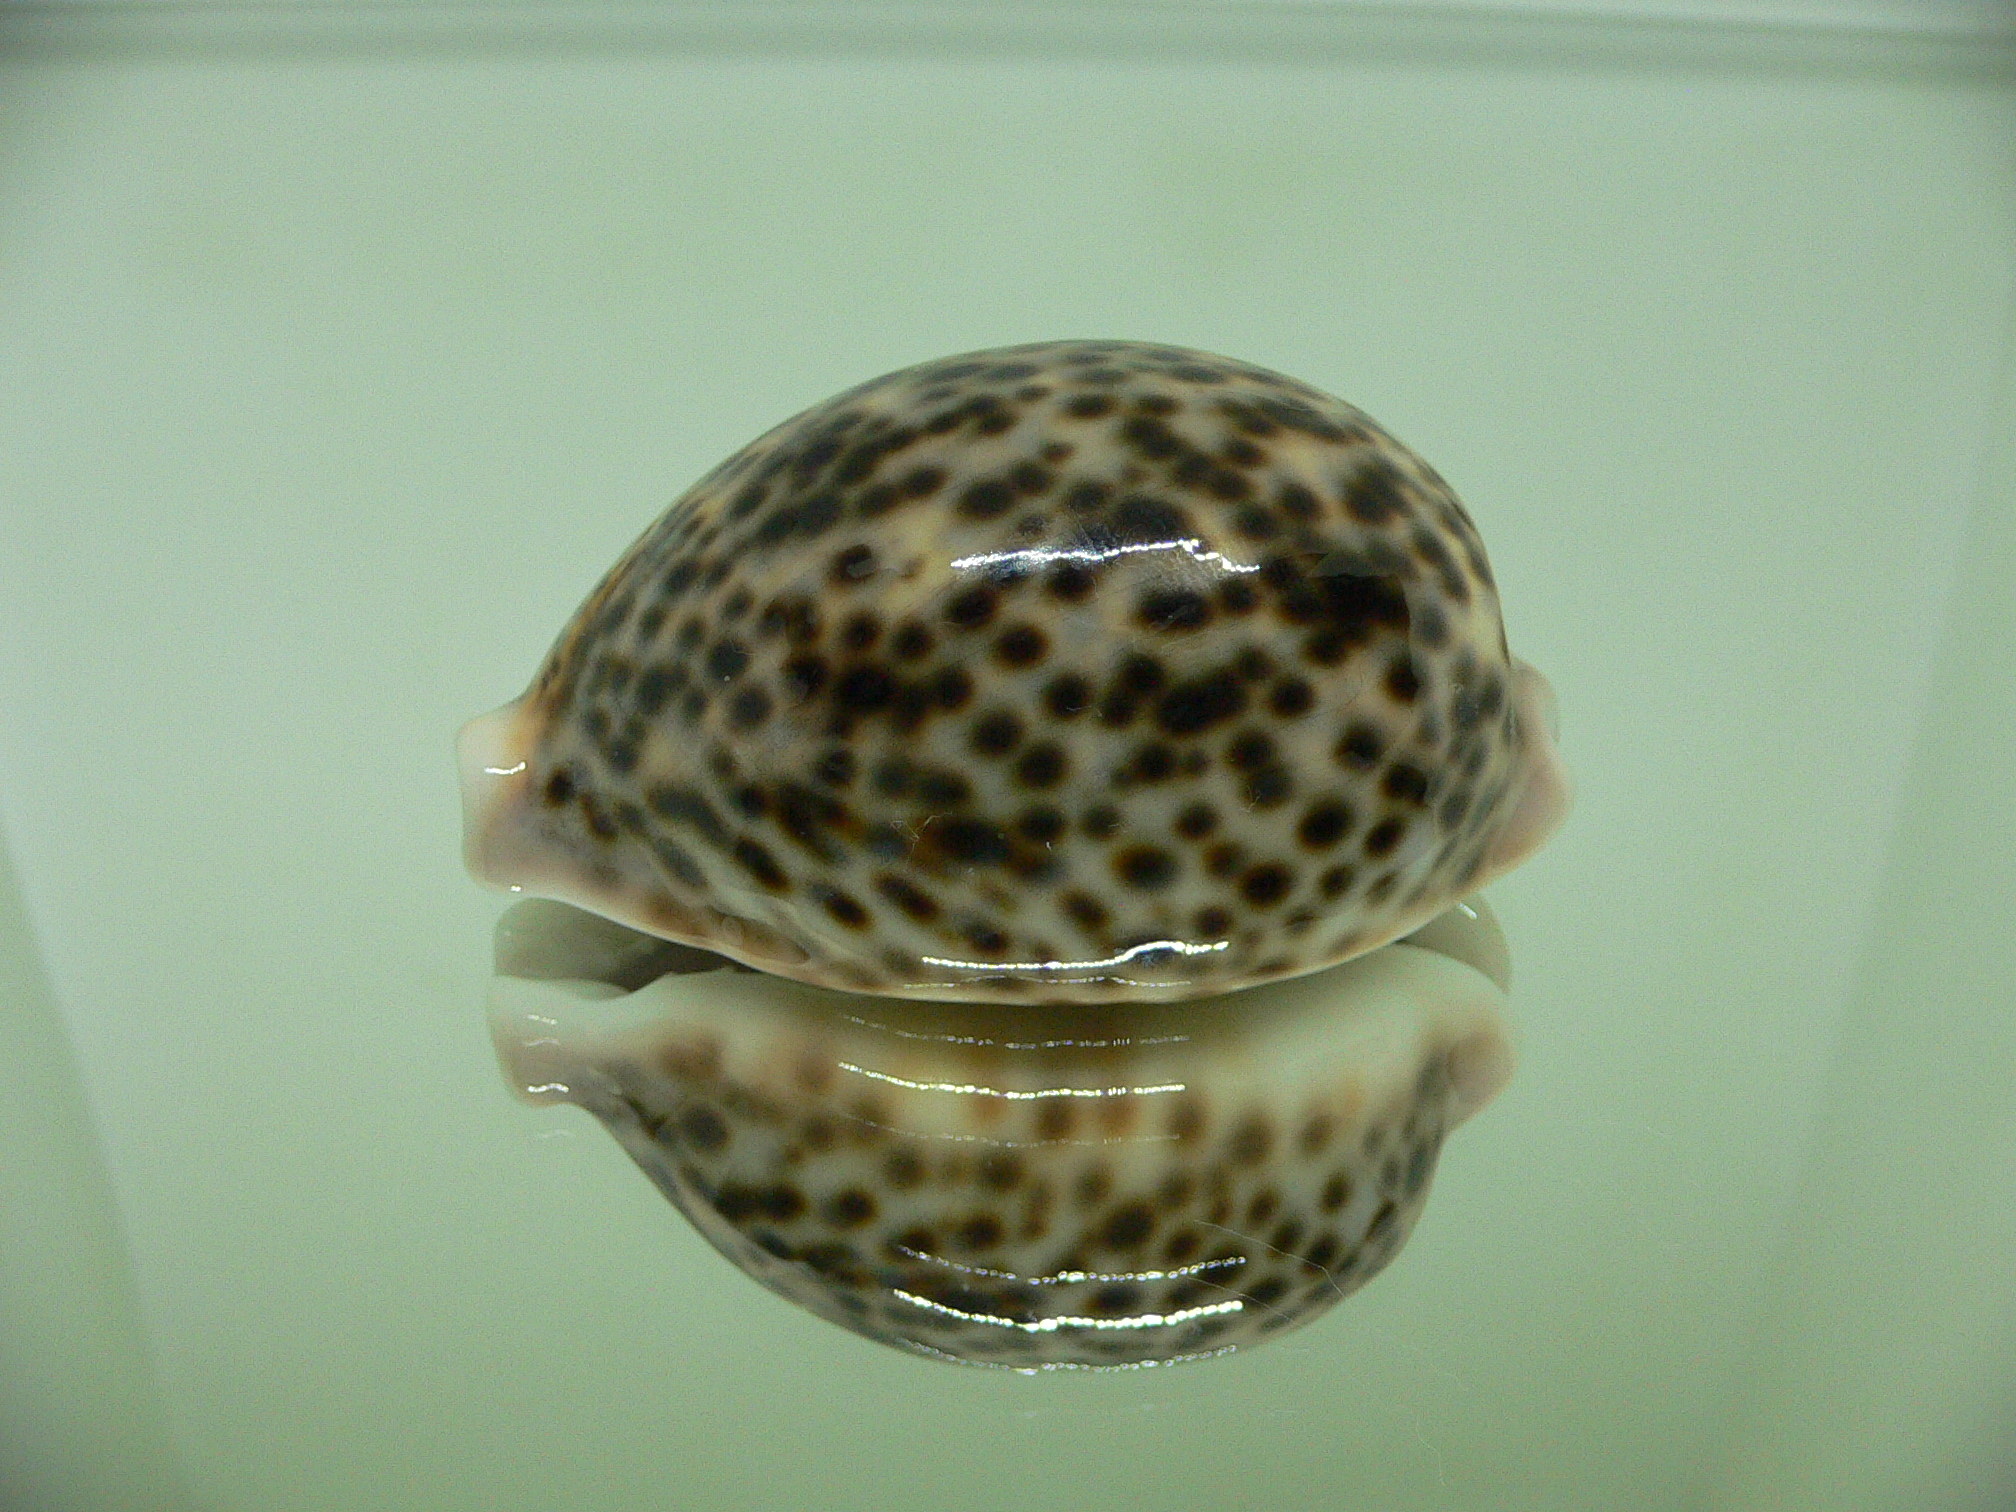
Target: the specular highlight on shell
pixel 1075 671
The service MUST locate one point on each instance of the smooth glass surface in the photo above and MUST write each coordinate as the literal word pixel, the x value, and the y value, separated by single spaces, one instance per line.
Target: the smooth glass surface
pixel 332 376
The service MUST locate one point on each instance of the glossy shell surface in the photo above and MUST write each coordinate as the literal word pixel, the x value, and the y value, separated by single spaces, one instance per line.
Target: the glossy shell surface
pixel 1111 1185
pixel 1067 672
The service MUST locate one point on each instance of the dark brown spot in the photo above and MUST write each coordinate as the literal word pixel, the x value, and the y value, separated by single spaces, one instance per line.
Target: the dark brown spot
pixel 1083 910
pixel 1145 867
pixel 1213 921
pixel 971 608
pixel 1403 678
pixel 1250 751
pixel 863 690
pixel 1118 708
pixel 836 1261
pixel 911 642
pixel 1140 675
pixel 978 842
pixel 817 1133
pixel 727 659
pixel 1431 626
pixel 695 1060
pixel 1266 1293
pixel 978 1232
pixel 1266 884
pixel 1256 523
pixel 894 776
pixel 1251 1140
pixel 852 566
pixel 986 499
pixel 1324 825
pixel 1374 496
pixel 1119 1300
pixel 703 1128
pixel 985 939
pixel 995 733
pixel 1041 825
pixel 860 631
pixel 1022 646
pixel 1297 502
pixel 1173 609
pixel 1198 703
pixel 1384 836
pixel 1291 698
pixel 1042 765
pixel 1267 788
pixel 1070 582
pixel 844 909
pixel 1186 1120
pixel 1407 784
pixel 804 676
pixel 1030 479
pixel 850 1209
pixel 1359 747
pixel 761 865
pixel 1315 1135
pixel 1000 1171
pixel 1128 1227
pixel 654 690
pixel 1067 695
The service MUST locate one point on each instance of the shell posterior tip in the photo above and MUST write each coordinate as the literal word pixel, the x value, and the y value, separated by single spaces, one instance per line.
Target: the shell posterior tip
pixel 1547 794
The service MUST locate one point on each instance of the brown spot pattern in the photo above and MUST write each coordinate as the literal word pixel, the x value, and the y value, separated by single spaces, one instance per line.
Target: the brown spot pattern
pixel 1241 645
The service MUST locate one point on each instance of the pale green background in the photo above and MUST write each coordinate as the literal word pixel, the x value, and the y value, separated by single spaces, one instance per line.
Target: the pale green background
pixel 333 372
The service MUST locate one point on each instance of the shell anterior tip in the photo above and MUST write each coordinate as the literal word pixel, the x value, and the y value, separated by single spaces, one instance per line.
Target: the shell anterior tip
pixel 490 750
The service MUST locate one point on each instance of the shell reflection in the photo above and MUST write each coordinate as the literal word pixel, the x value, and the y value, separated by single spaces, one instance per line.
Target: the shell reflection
pixel 1089 1186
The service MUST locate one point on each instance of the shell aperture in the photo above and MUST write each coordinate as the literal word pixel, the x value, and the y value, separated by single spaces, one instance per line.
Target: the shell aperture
pixel 1075 672
pixel 1088 1186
